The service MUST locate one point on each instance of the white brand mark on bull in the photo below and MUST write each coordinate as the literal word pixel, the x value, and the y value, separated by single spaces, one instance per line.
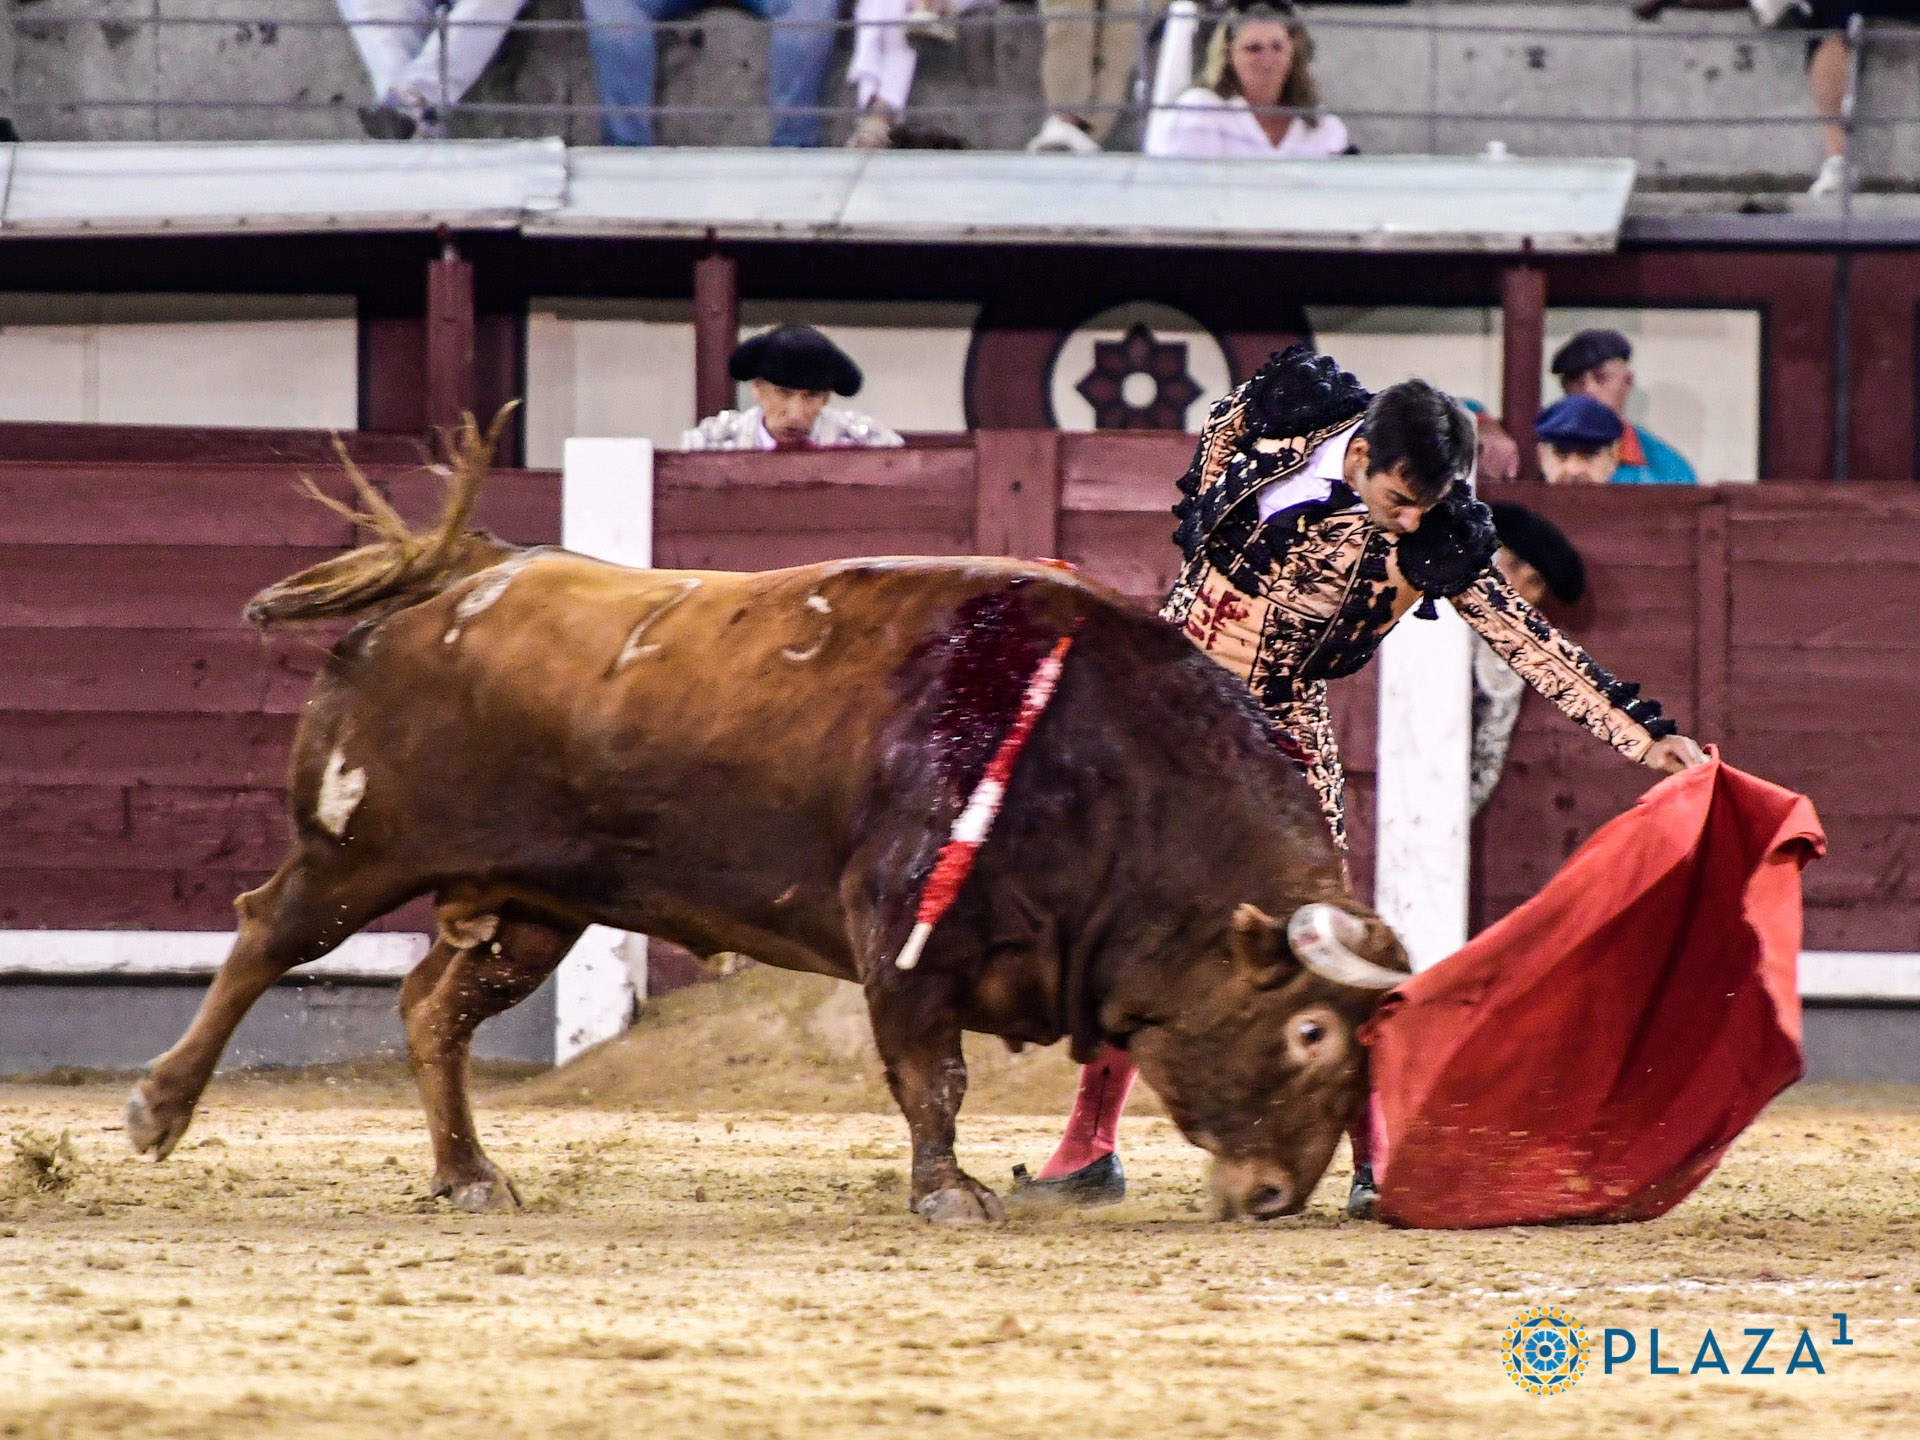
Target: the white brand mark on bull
pixel 489 587
pixel 820 605
pixel 341 790
pixel 633 649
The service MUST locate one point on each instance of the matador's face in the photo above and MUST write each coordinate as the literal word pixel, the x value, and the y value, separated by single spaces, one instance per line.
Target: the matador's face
pixel 1393 502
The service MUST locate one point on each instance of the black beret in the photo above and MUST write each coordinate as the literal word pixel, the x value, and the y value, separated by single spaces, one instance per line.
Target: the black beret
pixel 798 357
pixel 1589 350
pixel 1540 542
pixel 1578 422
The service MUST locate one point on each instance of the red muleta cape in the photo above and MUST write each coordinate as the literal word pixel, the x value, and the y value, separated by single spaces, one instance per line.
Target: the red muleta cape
pixel 1592 1056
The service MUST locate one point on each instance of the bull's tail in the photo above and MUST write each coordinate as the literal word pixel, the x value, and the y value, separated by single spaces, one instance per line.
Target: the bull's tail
pixel 401 566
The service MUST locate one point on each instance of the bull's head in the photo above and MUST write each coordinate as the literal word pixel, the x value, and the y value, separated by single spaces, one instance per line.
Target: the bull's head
pixel 1262 1065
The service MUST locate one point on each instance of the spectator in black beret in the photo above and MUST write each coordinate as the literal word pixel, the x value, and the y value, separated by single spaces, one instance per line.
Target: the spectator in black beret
pixel 1536 557
pixel 1579 441
pixel 794 370
pixel 1537 560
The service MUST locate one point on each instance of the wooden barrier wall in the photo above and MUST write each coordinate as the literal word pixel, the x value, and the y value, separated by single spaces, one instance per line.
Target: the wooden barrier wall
pixel 143 727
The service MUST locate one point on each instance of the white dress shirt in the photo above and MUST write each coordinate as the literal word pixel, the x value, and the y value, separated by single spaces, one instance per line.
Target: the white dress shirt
pixel 1204 126
pixel 1312 481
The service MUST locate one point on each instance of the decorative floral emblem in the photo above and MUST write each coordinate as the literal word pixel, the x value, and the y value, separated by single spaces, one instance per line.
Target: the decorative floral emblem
pixel 1139 382
pixel 1544 1351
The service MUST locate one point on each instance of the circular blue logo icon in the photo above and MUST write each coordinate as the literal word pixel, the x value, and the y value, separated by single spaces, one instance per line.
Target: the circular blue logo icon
pixel 1544 1350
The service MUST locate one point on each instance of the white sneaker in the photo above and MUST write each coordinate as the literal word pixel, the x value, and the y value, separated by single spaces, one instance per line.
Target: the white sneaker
pixel 1777 12
pixel 1832 178
pixel 1060 136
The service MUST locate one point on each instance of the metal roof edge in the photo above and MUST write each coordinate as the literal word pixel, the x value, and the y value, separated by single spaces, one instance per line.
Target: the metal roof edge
pixel 1361 204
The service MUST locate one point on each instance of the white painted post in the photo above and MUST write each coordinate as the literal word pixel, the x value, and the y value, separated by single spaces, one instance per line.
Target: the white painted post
pixel 1423 805
pixel 606 512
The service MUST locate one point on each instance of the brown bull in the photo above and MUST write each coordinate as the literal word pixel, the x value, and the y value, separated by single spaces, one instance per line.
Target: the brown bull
pixel 768 764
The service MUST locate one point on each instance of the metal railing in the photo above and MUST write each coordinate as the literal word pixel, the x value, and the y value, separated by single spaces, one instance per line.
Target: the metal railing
pixel 1438 24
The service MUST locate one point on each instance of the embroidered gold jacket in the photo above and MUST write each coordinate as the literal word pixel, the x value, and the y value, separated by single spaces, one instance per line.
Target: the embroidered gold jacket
pixel 1306 596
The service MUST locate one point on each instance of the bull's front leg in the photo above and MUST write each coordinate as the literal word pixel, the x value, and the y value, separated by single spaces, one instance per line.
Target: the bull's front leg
pixel 916 1028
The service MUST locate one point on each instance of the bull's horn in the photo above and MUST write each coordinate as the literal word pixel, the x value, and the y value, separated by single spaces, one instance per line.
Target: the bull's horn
pixel 1323 937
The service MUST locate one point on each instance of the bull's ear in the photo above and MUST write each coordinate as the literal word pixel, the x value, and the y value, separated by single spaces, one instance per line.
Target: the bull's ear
pixel 1260 948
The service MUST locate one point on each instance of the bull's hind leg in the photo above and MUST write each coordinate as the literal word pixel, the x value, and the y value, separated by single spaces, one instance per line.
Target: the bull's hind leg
pixel 303 912
pixel 442 1002
pixel 917 1031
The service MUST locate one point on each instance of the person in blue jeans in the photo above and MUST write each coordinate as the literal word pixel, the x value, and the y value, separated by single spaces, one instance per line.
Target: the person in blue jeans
pixel 624 54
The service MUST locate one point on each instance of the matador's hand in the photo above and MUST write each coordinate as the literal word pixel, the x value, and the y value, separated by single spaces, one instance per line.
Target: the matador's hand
pixel 1674 754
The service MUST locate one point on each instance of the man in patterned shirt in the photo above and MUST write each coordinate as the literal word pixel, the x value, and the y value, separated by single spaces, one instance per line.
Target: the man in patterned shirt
pixel 794 370
pixel 1313 517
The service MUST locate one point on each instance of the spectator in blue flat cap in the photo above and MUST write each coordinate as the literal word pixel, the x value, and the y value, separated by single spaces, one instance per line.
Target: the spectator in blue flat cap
pixel 1579 441
pixel 1595 363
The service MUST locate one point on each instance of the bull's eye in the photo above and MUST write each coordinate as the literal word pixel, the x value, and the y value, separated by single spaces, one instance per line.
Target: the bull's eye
pixel 1311 1032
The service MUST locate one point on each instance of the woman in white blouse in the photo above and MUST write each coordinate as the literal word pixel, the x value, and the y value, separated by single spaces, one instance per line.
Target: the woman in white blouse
pixel 1257 95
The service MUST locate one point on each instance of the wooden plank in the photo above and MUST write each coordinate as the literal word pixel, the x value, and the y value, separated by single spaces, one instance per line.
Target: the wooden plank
pixel 766 550
pixel 1809 692
pixel 1863 533
pixel 1617 524
pixel 1834 602
pixel 716 331
pixel 946 466
pixel 1360 834
pixel 157 899
pixel 1355 704
pixel 194 444
pixel 1523 334
pixel 138 587
pixel 65 748
pixel 240 505
pixel 148 671
pixel 1017 495
pixel 113 827
pixel 1712 710
pixel 520 506
pixel 1844 771
pixel 1130 551
pixel 450 324
pixel 941 507
pixel 1110 471
pixel 1869 860
pixel 1862 927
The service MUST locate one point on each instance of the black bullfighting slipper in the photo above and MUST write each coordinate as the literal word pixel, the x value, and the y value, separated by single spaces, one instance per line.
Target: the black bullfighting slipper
pixel 1101 1183
pixel 1364 1196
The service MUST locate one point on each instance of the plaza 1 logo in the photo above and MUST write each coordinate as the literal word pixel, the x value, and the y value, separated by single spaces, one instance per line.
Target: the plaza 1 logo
pixel 1545 1351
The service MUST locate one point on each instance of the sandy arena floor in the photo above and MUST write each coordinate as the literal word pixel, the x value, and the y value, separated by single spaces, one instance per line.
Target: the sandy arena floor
pixel 750 1271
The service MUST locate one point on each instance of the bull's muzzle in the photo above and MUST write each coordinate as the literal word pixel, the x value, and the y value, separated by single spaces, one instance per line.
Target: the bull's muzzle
pixel 1323 937
pixel 1254 1189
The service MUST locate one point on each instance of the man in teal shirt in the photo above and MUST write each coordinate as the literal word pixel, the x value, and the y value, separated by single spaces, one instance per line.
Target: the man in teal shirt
pixel 1595 362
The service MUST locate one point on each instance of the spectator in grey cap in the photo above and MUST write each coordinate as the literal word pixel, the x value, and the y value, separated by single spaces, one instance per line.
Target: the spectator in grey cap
pixel 794 371
pixel 1579 441
pixel 1595 363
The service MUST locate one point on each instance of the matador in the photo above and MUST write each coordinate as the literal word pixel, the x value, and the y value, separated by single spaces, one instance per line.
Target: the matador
pixel 1313 517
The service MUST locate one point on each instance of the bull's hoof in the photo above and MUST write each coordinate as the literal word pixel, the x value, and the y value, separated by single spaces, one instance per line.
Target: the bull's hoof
pixel 957 1205
pixel 150 1130
pixel 489 1192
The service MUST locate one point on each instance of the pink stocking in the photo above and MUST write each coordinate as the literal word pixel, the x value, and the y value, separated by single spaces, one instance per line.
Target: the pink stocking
pixel 1093 1128
pixel 1366 1135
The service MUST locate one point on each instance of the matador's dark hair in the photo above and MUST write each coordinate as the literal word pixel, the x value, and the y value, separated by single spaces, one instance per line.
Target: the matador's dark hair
pixel 1425 427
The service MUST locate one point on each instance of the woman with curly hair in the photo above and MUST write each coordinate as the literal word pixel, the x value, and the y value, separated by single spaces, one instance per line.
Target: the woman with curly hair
pixel 1257 95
